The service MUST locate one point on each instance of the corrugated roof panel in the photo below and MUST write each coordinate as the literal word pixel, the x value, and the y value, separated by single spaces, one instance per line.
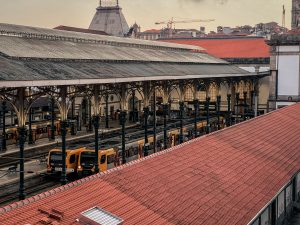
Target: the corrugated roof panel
pixel 69 34
pixel 27 70
pixel 38 48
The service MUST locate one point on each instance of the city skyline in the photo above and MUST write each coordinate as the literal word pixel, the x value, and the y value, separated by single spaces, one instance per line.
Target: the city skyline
pixel 79 13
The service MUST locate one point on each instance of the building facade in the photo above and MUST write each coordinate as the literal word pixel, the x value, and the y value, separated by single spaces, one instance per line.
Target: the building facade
pixel 295 14
pixel 285 70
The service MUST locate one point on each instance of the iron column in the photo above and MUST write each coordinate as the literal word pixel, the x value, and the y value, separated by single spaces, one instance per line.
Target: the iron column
pixel 30 138
pixel 90 126
pixel 146 115
pixel 237 99
pixel 4 126
pixel 165 112
pixel 228 121
pixel 245 104
pixel 52 136
pixel 251 100
pixel 207 114
pixel 106 112
pixel 72 117
pixel 218 110
pixel 63 179
pixel 133 108
pixel 123 121
pixel 154 121
pixel 196 108
pixel 181 108
pixel 22 139
pixel 96 127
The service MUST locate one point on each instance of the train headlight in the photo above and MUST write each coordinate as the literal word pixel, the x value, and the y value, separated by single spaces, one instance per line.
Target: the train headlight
pixel 79 167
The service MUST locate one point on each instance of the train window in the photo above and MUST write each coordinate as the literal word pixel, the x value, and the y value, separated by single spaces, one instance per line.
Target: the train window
pixel 110 159
pixel 136 150
pixel 103 159
pixel 72 159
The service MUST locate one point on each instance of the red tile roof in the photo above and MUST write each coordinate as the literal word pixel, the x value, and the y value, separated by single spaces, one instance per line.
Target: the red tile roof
pixel 226 177
pixel 152 31
pixel 230 47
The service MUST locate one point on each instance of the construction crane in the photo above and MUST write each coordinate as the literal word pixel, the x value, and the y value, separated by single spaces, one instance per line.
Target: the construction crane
pixel 283 17
pixel 171 22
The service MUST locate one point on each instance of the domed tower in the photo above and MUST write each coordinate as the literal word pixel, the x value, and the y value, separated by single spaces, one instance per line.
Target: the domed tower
pixel 295 14
pixel 110 19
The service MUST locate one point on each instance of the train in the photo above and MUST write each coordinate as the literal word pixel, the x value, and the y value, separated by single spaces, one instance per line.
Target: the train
pixel 80 162
pixel 40 130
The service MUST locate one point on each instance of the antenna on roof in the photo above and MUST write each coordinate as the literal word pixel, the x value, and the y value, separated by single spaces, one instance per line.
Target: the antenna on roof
pixel 117 2
pixel 100 3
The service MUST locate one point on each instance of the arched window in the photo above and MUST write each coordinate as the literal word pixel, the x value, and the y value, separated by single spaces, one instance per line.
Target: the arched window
pixel 188 96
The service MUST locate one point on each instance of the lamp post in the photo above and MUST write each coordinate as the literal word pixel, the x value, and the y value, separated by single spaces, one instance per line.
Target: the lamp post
pixel 52 135
pixel 22 131
pixel 106 112
pixel 133 106
pixel 96 127
pixel 63 179
pixel 228 121
pixel 218 110
pixel 207 114
pixel 4 148
pixel 196 107
pixel 245 104
pixel 237 99
pixel 165 112
pixel 146 115
pixel 181 108
pixel 154 121
pixel 30 138
pixel 90 126
pixel 123 121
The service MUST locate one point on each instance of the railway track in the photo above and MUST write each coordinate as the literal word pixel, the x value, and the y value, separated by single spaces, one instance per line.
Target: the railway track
pixel 40 153
pixel 39 184
pixel 12 195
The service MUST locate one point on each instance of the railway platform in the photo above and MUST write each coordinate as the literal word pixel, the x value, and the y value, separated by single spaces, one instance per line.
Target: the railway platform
pixel 36 166
pixel 45 142
pixel 33 168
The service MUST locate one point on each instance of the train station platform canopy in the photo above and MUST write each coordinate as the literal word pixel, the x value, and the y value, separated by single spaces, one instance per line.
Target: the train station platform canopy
pixel 226 177
pixel 32 56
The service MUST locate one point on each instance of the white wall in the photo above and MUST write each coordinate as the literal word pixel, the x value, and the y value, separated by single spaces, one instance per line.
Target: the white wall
pixel 288 75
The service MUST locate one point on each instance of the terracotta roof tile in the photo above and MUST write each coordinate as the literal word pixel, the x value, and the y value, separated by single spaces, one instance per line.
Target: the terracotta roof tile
pixel 229 48
pixel 226 177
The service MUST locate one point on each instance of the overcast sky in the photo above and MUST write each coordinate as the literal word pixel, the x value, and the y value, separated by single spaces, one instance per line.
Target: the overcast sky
pixel 79 13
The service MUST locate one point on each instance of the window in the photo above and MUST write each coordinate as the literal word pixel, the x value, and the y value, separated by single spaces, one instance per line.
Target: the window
pixel 72 159
pixel 110 159
pixel 103 159
pixel 189 96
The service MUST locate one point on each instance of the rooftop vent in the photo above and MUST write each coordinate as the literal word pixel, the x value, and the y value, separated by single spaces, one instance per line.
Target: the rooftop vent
pixel 98 216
